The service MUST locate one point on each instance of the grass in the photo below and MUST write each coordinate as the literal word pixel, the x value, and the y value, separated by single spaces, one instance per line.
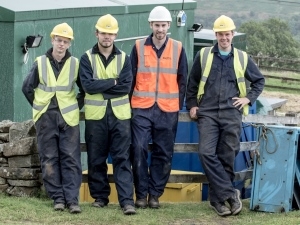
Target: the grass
pixel 279 82
pixel 39 211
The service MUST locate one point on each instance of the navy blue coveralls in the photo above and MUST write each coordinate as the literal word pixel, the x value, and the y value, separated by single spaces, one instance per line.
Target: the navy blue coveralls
pixel 219 122
pixel 160 127
pixel 108 135
pixel 58 143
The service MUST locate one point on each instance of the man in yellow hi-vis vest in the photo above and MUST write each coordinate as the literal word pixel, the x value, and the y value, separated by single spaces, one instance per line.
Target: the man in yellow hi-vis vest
pixel 106 76
pixel 49 88
pixel 217 98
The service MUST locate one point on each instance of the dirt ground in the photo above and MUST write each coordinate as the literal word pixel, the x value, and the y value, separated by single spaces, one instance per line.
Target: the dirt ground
pixel 292 105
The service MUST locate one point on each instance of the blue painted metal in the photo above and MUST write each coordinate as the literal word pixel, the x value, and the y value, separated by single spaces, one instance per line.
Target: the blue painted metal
pixel 273 179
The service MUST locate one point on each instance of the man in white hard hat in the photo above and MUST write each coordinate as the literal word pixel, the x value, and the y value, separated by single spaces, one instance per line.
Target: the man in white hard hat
pixel 217 98
pixel 50 91
pixel 160 68
pixel 106 76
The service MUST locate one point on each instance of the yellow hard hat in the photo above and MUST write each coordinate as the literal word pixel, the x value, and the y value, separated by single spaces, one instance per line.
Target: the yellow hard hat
pixel 160 14
pixel 107 24
pixel 223 23
pixel 63 30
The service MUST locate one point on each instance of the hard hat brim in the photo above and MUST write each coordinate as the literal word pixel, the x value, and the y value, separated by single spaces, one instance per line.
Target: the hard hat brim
pixel 115 31
pixel 57 34
pixel 223 30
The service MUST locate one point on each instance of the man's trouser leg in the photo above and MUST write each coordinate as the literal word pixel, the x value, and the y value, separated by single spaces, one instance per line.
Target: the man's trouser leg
pixel 217 146
pixel 163 138
pixel 141 132
pixel 97 141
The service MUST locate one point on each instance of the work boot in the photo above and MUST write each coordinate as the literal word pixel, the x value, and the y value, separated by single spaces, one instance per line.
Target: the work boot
pixel 235 203
pixel 59 207
pixel 74 208
pixel 153 202
pixel 129 210
pixel 141 203
pixel 98 204
pixel 220 208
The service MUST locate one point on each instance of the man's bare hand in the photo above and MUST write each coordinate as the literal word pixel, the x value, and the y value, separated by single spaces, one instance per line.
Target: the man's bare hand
pixel 240 102
pixel 193 112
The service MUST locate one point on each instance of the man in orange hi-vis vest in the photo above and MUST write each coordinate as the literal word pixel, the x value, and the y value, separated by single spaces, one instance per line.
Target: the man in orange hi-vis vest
pixel 160 70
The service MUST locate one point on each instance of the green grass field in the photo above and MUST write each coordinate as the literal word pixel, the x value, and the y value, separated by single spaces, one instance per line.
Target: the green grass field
pixel 39 211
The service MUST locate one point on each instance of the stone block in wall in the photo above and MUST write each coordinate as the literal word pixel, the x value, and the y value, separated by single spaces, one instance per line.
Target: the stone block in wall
pixel 1 149
pixel 41 177
pixel 22 130
pixel 3 181
pixel 5 125
pixel 23 191
pixel 24 183
pixel 25 146
pixel 19 173
pixel 3 187
pixel 24 161
pixel 3 160
pixel 4 137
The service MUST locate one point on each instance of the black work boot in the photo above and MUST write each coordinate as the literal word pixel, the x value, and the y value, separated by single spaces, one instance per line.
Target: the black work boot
pixel 74 208
pixel 220 208
pixel 98 204
pixel 141 203
pixel 59 206
pixel 153 202
pixel 129 210
pixel 235 203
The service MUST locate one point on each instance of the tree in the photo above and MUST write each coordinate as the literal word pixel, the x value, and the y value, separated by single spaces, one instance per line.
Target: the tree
pixel 272 38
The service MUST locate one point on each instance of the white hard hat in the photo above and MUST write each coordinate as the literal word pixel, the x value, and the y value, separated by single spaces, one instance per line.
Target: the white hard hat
pixel 160 13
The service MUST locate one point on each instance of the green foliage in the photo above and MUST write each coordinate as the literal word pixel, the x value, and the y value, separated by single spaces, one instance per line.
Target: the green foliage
pixel 257 11
pixel 271 38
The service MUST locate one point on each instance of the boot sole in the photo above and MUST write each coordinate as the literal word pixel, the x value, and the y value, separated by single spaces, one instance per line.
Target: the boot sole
pixel 220 214
pixel 238 210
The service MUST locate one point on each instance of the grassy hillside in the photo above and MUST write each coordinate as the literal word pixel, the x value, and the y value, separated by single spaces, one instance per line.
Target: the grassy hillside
pixel 243 11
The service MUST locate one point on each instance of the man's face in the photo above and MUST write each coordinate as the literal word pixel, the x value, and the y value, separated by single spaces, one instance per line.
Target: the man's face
pixel 159 29
pixel 105 40
pixel 60 44
pixel 224 39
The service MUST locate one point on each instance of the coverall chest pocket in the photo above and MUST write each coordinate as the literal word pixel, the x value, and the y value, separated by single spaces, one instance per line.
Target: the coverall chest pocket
pixel 229 74
pixel 215 72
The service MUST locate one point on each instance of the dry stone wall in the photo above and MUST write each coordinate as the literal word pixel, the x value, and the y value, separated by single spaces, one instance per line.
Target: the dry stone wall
pixel 20 173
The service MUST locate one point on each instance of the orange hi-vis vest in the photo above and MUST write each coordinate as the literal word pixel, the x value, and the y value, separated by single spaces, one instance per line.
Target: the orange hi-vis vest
pixel 156 79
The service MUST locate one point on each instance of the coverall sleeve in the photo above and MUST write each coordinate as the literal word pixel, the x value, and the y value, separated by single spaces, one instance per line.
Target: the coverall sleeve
pixel 134 63
pixel 124 82
pixel 257 80
pixel 89 84
pixel 30 83
pixel 193 83
pixel 81 94
pixel 182 74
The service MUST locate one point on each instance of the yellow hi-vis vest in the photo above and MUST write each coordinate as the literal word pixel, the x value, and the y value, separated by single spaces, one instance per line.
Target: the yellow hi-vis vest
pixel 62 87
pixel 95 105
pixel 239 63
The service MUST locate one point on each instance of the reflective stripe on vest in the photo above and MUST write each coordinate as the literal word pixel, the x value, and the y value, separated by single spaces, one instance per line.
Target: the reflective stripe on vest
pixel 62 88
pixel 156 79
pixel 240 65
pixel 95 105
